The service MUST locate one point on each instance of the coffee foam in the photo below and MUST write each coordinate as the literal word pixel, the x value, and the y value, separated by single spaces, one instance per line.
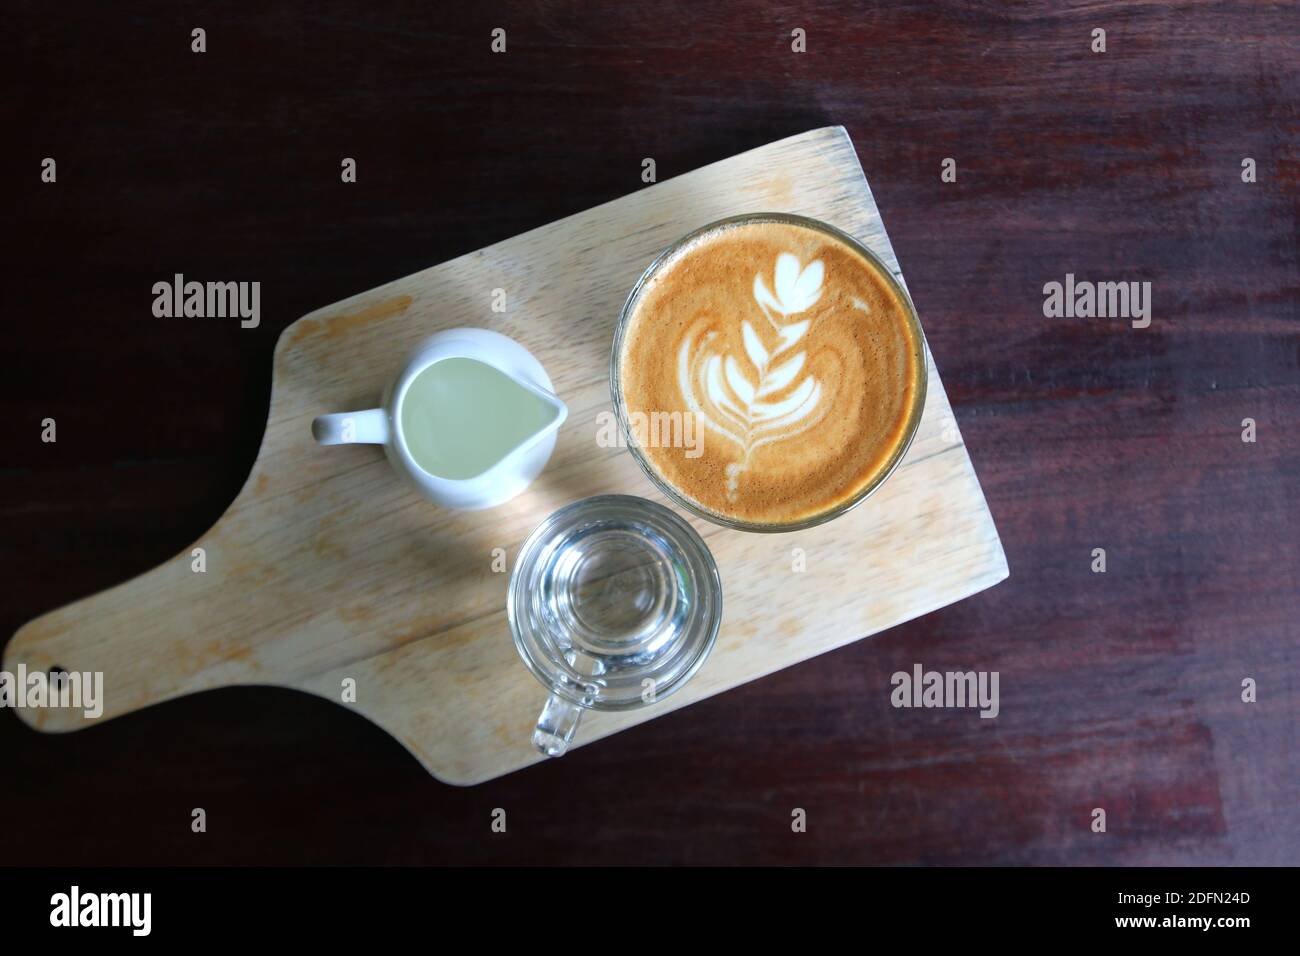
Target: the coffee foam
pixel 794 354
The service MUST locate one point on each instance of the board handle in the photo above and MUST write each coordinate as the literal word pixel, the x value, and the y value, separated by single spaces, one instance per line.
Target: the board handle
pixel 127 641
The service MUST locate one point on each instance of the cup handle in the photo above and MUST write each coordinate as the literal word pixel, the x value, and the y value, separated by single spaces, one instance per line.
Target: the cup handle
pixel 369 427
pixel 556 725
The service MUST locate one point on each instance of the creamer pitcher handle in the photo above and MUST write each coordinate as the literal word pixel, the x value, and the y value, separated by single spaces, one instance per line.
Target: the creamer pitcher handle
pixel 369 427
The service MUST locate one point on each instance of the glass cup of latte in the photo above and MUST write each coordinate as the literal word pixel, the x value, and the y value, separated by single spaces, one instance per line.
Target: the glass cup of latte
pixel 768 372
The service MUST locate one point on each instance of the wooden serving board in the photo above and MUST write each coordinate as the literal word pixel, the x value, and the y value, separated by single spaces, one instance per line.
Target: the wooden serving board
pixel 327 566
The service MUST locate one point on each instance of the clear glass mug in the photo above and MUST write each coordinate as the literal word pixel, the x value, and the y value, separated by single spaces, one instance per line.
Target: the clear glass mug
pixel 614 603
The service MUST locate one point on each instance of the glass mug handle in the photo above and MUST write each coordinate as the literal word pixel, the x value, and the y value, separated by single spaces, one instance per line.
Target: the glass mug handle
pixel 556 725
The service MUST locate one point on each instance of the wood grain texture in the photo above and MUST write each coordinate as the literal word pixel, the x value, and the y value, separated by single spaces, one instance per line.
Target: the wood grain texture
pixel 1119 690
pixel 328 567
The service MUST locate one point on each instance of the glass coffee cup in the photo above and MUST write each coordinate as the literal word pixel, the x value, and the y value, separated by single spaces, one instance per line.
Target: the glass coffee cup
pixel 768 325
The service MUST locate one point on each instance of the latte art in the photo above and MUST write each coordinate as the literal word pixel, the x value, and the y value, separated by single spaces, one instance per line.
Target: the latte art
pixel 757 405
pixel 792 350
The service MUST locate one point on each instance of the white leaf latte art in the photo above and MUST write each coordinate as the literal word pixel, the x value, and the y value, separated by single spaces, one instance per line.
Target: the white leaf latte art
pixel 758 397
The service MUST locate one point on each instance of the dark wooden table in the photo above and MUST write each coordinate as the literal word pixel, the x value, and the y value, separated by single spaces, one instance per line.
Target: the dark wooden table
pixel 1119 690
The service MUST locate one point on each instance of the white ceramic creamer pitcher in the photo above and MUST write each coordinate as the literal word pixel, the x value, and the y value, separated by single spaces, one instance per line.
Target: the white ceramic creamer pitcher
pixel 470 420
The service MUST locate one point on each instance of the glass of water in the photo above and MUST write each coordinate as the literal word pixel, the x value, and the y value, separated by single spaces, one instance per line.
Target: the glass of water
pixel 614 603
